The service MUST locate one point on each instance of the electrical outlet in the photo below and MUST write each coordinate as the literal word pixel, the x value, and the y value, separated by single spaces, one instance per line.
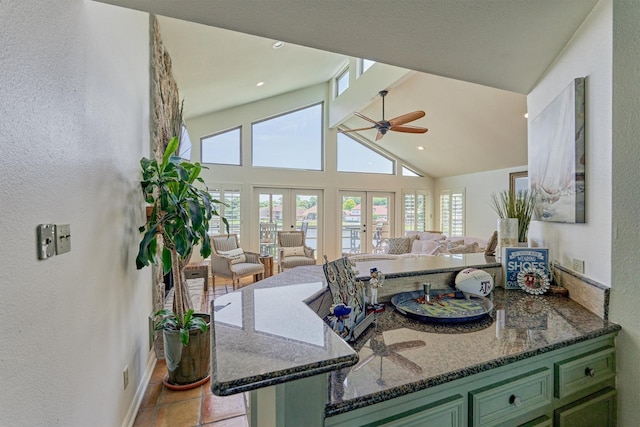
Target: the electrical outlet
pixel 578 265
pixel 125 376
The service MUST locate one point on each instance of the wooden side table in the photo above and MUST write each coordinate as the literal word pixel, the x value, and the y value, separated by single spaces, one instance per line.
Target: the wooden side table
pixel 267 261
pixel 198 270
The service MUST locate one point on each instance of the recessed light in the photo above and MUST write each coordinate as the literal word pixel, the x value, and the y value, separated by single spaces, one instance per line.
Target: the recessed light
pixel 420 147
pixel 526 115
pixel 259 84
pixel 277 44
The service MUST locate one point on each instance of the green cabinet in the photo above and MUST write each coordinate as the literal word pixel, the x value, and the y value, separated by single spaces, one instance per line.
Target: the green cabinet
pixel 567 387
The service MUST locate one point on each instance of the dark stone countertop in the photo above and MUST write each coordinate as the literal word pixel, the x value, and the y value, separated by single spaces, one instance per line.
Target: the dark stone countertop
pixel 265 334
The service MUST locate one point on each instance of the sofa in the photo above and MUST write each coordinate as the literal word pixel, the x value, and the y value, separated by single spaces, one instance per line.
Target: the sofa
pixel 427 243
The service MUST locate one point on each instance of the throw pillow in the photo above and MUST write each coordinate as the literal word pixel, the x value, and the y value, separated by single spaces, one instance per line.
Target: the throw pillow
pixel 293 251
pixel 235 255
pixel 426 235
pixel 399 245
pixel 465 249
pixel 416 246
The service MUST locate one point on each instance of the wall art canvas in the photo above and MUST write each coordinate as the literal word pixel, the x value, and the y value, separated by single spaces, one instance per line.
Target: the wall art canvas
pixel 557 157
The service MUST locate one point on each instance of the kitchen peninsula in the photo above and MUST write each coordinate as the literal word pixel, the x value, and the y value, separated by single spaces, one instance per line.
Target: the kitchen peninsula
pixel 540 360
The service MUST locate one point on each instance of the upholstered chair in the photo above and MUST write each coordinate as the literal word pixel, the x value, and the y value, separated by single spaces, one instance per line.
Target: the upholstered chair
pixel 229 260
pixel 293 250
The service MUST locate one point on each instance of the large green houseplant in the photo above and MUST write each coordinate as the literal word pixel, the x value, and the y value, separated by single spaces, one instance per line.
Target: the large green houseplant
pixel 179 221
pixel 509 204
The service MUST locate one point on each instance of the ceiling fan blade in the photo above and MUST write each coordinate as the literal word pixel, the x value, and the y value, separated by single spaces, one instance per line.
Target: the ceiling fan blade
pixel 406 118
pixel 409 129
pixel 355 130
pixel 362 116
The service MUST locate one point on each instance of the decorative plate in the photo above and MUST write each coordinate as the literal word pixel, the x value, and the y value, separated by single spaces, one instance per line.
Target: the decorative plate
pixel 533 280
pixel 447 309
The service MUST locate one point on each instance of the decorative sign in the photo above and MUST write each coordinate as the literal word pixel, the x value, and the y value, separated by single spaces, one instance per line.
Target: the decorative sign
pixel 517 260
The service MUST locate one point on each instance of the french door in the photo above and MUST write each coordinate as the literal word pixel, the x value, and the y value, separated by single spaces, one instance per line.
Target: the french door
pixel 290 209
pixel 367 220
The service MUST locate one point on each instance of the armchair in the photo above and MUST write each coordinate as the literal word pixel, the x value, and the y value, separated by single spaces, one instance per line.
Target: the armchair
pixel 230 261
pixel 293 251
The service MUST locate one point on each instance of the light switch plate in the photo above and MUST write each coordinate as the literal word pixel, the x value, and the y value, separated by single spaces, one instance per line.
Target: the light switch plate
pixel 63 238
pixel 46 241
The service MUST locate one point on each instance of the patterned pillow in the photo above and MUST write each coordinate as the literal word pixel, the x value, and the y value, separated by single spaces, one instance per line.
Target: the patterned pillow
pixel 293 251
pixel 235 255
pixel 399 245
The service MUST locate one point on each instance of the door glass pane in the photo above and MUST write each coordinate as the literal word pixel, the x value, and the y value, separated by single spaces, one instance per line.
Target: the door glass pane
pixel 351 223
pixel 307 218
pixel 270 219
pixel 380 215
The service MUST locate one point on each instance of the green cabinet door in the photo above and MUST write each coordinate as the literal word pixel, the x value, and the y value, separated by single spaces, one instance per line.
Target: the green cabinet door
pixel 596 410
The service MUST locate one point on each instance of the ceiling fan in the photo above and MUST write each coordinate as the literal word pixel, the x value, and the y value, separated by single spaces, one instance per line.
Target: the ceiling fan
pixel 397 124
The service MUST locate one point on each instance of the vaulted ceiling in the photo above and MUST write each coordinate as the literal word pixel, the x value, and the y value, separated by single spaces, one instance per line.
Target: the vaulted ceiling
pixel 476 61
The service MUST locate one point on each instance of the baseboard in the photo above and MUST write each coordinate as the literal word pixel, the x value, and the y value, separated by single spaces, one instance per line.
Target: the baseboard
pixel 132 412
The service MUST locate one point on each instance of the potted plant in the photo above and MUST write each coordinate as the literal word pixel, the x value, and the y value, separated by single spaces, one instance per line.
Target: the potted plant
pixel 508 204
pixel 180 217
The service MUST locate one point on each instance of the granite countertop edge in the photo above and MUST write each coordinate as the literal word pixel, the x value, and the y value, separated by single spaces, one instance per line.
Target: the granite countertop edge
pixel 278 377
pixel 370 399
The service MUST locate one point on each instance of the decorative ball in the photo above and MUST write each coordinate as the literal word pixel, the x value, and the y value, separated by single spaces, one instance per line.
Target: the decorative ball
pixel 474 281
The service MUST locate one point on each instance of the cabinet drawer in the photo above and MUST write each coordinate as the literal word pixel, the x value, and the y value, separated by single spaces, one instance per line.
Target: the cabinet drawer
pixel 511 398
pixel 445 413
pixel 542 421
pixel 580 372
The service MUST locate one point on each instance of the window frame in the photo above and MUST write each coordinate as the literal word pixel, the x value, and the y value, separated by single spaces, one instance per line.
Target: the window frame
pixel 413 171
pixel 369 146
pixel 345 71
pixel 235 224
pixel 450 229
pixel 239 128
pixel 284 113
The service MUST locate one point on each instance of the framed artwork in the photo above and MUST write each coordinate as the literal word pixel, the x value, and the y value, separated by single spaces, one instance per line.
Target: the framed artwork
pixel 557 157
pixel 518 181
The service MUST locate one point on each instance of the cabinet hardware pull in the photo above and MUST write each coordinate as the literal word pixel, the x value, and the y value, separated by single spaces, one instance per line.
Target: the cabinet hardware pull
pixel 515 400
pixel 590 372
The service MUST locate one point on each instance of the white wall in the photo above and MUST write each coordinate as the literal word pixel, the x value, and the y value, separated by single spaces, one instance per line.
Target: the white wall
pixel 247 177
pixel 75 111
pixel 588 55
pixel 607 51
pixel 480 218
pixel 625 204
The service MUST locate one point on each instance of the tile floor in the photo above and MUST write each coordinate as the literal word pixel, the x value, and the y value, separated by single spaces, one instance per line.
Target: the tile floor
pixel 162 407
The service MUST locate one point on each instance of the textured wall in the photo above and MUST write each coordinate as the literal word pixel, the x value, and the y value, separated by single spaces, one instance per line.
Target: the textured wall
pixel 625 290
pixel 74 102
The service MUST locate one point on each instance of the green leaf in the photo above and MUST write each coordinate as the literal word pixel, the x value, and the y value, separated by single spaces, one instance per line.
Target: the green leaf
pixel 166 260
pixel 171 148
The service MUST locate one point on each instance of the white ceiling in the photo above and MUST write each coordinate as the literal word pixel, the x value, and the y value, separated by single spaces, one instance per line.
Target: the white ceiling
pixel 503 46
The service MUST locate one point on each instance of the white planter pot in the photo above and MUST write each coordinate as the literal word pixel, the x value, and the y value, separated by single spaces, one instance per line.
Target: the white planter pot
pixel 507 234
